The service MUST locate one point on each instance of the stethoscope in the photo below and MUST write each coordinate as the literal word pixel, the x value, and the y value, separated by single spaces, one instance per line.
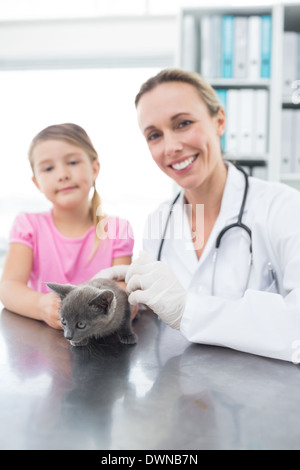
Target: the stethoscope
pixel 238 224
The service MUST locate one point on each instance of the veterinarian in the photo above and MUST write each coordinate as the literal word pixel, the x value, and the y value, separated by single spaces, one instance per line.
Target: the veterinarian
pixel 222 260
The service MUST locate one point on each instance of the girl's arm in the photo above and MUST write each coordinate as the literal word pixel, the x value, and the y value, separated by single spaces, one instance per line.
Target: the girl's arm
pixel 18 297
pixel 121 260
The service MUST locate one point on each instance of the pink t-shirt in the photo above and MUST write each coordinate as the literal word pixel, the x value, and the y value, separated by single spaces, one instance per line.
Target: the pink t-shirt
pixel 67 260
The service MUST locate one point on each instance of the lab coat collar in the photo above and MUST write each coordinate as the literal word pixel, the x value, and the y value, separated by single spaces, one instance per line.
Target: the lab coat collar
pixel 233 193
pixel 230 208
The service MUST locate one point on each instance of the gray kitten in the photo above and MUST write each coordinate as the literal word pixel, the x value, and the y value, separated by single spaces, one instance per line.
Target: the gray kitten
pixel 94 309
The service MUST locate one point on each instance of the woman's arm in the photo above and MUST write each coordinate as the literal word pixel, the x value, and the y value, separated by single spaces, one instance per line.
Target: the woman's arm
pixel 18 297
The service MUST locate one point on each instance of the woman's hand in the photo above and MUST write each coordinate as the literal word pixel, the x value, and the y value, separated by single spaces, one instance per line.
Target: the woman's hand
pixel 115 273
pixel 153 283
pixel 49 305
pixel 118 273
pixel 133 308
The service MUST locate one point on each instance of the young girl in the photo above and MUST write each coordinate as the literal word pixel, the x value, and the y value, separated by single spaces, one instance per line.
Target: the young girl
pixel 71 242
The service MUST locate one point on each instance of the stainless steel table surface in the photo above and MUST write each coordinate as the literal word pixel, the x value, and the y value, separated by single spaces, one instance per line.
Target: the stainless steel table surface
pixel 163 393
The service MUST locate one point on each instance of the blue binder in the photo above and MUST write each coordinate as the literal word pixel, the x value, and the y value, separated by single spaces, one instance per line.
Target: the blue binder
pixel 266 44
pixel 227 46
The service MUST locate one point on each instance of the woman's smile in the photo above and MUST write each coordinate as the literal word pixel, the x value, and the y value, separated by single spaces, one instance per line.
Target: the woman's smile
pixel 184 164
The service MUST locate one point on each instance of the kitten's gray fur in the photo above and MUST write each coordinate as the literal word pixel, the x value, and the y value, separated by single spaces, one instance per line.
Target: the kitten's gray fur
pixel 94 309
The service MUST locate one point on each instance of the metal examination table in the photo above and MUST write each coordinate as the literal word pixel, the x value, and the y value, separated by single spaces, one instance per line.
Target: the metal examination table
pixel 164 393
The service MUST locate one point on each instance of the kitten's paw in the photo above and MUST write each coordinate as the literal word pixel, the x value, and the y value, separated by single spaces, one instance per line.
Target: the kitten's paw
pixel 129 339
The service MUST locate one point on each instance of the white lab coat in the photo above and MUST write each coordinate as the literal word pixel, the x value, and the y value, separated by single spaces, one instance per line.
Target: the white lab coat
pixel 264 320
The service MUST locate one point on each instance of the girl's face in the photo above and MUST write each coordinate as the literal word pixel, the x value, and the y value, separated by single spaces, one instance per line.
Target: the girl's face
pixel 183 138
pixel 64 173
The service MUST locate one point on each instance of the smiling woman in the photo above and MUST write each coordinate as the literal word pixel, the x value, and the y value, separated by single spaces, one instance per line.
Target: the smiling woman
pixel 181 117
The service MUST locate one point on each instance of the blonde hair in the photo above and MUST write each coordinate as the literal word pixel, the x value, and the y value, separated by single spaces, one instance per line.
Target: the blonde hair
pixel 75 135
pixel 204 89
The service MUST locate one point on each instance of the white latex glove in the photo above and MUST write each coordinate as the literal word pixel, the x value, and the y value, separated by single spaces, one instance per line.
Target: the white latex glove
pixel 153 283
pixel 115 273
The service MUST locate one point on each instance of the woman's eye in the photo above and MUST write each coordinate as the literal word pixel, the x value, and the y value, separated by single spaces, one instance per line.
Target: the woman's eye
pixel 73 162
pixel 153 136
pixel 81 325
pixel 185 123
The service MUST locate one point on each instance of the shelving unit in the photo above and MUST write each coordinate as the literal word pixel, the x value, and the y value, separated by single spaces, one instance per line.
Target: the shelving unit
pixel 283 18
pixel 292 24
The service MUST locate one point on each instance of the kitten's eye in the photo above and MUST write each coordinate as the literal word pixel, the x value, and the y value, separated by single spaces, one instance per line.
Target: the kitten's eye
pixel 81 325
pixel 63 322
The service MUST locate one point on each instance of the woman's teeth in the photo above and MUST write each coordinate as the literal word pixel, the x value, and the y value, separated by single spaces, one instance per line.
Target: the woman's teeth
pixel 184 164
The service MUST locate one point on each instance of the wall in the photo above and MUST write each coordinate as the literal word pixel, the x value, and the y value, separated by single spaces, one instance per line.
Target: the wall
pixel 106 42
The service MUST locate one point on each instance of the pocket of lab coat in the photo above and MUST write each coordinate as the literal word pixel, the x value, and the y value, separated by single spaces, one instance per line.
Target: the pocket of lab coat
pixel 273 287
pixel 233 265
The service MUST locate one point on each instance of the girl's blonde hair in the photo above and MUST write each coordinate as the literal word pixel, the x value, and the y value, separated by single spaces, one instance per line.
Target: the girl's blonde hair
pixel 204 89
pixel 75 135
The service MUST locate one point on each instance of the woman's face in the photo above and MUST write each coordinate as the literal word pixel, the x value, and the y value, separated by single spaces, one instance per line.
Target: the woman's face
pixel 183 138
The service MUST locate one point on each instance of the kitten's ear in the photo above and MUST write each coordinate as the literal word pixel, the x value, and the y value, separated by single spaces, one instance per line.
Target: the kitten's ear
pixel 61 289
pixel 103 300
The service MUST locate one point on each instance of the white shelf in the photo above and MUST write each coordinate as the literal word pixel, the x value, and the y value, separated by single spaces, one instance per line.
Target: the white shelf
pixel 284 18
pixel 293 103
pixel 231 156
pixel 239 83
pixel 290 177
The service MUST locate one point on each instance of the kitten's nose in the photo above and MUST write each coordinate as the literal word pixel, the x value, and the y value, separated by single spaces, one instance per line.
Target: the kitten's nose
pixel 68 335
